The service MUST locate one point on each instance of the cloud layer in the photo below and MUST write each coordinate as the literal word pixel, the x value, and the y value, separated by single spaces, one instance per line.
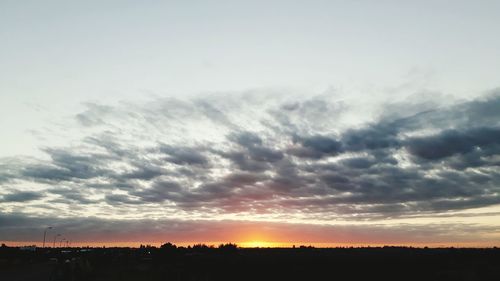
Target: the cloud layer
pixel 254 156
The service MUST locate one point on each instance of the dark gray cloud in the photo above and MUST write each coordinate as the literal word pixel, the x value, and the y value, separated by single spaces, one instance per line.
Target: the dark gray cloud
pixel 244 162
pixel 67 165
pixel 251 153
pixel 21 196
pixel 376 136
pixel 316 147
pixel 147 172
pixel 283 159
pixel 359 162
pixel 246 139
pixel 453 142
pixel 183 155
pixel 160 191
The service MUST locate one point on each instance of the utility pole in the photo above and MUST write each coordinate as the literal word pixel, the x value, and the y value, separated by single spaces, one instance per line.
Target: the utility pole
pixel 45 234
pixel 55 237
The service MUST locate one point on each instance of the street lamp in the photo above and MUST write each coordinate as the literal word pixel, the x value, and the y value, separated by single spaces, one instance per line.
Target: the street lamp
pixel 55 236
pixel 60 242
pixel 45 234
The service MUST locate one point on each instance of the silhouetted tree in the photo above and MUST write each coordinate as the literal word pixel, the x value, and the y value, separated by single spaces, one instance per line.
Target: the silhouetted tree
pixel 228 247
pixel 168 246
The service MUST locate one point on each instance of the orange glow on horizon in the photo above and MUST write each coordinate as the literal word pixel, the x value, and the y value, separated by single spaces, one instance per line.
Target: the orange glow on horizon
pixel 260 244
pixel 268 235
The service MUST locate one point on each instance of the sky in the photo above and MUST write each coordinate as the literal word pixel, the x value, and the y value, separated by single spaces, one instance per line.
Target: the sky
pixel 265 123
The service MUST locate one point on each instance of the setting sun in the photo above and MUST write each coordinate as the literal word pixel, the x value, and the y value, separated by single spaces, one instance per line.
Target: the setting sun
pixel 258 244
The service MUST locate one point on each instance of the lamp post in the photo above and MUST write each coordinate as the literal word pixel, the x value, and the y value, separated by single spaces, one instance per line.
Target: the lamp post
pixel 55 237
pixel 60 242
pixel 45 234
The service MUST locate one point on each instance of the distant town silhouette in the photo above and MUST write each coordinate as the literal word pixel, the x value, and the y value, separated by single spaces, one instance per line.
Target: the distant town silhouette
pixel 230 262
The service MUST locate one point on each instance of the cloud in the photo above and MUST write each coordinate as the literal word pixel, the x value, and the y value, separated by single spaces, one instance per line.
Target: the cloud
pixel 67 165
pixel 93 115
pixel 452 142
pixel 316 147
pixel 21 196
pixel 70 196
pixel 183 155
pixel 252 156
pixel 374 136
pixel 160 191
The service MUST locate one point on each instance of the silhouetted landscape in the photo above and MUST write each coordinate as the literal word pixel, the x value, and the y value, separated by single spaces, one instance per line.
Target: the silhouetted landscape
pixel 228 262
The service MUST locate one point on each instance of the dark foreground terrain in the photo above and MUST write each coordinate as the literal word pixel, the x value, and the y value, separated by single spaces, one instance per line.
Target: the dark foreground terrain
pixel 231 263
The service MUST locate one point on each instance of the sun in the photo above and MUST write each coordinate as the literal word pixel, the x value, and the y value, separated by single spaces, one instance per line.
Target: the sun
pixel 257 244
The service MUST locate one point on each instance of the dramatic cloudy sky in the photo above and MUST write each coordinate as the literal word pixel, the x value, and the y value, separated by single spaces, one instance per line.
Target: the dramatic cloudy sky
pixel 257 122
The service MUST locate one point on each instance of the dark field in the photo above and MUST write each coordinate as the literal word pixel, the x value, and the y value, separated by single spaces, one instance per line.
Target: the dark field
pixel 231 263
